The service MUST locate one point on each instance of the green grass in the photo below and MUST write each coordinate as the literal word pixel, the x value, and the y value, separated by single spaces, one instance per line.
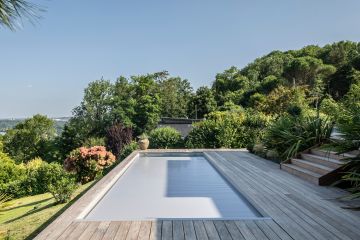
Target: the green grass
pixel 25 217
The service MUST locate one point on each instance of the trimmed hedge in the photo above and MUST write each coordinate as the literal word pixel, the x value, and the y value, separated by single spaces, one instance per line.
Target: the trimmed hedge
pixel 165 137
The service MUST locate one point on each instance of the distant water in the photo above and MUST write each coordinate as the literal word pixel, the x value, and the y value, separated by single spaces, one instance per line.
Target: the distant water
pixel 2 133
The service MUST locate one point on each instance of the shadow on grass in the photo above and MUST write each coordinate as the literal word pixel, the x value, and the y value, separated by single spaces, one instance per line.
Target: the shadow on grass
pixel 32 211
pixel 57 214
pixel 26 205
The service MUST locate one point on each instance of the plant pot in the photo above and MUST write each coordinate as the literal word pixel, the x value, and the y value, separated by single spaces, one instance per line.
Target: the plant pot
pixel 143 144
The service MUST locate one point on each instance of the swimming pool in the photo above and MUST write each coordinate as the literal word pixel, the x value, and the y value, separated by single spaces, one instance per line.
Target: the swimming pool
pixel 171 186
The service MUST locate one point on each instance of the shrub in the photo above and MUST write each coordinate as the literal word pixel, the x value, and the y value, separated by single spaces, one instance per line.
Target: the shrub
pixel 60 183
pixel 88 163
pixel 128 149
pixel 33 182
pixel 290 135
pixel 11 176
pixel 117 136
pixel 165 137
pixel 228 129
pixel 94 141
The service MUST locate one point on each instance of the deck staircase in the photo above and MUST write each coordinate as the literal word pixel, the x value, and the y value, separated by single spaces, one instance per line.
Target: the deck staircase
pixel 321 167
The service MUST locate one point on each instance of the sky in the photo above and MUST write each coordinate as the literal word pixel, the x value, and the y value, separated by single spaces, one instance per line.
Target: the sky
pixel 44 68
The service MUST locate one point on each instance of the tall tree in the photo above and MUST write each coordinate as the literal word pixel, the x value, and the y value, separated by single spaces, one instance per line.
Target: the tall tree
pixel 202 103
pixel 148 101
pixel 95 109
pixel 175 94
pixel 123 102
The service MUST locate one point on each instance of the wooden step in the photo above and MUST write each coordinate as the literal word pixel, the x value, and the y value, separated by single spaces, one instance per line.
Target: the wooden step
pixel 330 154
pixel 312 166
pixel 329 162
pixel 301 172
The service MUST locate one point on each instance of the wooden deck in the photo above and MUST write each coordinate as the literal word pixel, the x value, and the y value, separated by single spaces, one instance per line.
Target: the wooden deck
pixel 295 209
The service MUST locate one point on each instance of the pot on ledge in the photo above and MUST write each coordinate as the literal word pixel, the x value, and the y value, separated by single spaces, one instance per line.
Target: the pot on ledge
pixel 143 142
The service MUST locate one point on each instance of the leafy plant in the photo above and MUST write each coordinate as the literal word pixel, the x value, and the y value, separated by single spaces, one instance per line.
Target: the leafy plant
pixel 94 141
pixel 349 126
pixel 143 136
pixel 228 129
pixel 128 149
pixel 60 183
pixel 117 137
pixel 165 137
pixel 290 135
pixel 88 163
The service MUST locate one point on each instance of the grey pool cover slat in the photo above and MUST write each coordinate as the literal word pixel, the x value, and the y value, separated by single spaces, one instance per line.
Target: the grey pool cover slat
pixel 171 187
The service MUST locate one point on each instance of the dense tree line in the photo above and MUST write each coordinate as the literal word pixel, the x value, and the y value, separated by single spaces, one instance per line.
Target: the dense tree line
pixel 318 72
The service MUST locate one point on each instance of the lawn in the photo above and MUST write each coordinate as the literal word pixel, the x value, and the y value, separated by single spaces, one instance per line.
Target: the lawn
pixel 25 217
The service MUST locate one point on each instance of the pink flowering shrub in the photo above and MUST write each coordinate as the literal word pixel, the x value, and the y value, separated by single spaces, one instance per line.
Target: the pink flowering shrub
pixel 87 163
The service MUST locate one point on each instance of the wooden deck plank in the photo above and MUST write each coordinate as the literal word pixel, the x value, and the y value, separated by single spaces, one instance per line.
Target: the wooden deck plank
pixel 336 221
pixel 245 231
pixel 278 230
pixel 200 230
pixel 222 230
pixel 269 233
pixel 167 230
pixel 89 231
pixel 233 230
pixel 68 231
pixel 145 230
pixel 112 230
pixel 178 230
pixel 254 228
pixel 211 230
pixel 156 227
pixel 123 230
pixel 189 230
pixel 100 230
pixel 134 230
pixel 80 228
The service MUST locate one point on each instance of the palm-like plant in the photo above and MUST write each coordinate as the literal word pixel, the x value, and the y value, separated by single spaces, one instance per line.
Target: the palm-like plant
pixel 350 142
pixel 13 11
pixel 349 126
pixel 290 135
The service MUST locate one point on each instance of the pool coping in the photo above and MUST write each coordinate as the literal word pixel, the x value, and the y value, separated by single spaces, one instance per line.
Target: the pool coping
pixel 80 208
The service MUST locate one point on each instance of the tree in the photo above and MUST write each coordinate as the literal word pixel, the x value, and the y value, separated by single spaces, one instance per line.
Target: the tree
pixel 30 139
pixel 304 70
pixel 202 103
pixel 13 11
pixel 175 96
pixel 123 102
pixel 229 81
pixel 95 109
pixel 148 102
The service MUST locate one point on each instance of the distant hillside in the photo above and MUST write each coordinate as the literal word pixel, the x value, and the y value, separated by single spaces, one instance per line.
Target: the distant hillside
pixel 6 124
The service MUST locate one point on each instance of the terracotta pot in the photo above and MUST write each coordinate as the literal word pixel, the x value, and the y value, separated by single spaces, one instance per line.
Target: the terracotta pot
pixel 143 144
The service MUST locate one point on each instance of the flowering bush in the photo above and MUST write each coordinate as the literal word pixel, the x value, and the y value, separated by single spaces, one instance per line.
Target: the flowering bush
pixel 87 163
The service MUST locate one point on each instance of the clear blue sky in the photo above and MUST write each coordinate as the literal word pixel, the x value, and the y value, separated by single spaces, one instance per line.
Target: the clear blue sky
pixel 45 68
